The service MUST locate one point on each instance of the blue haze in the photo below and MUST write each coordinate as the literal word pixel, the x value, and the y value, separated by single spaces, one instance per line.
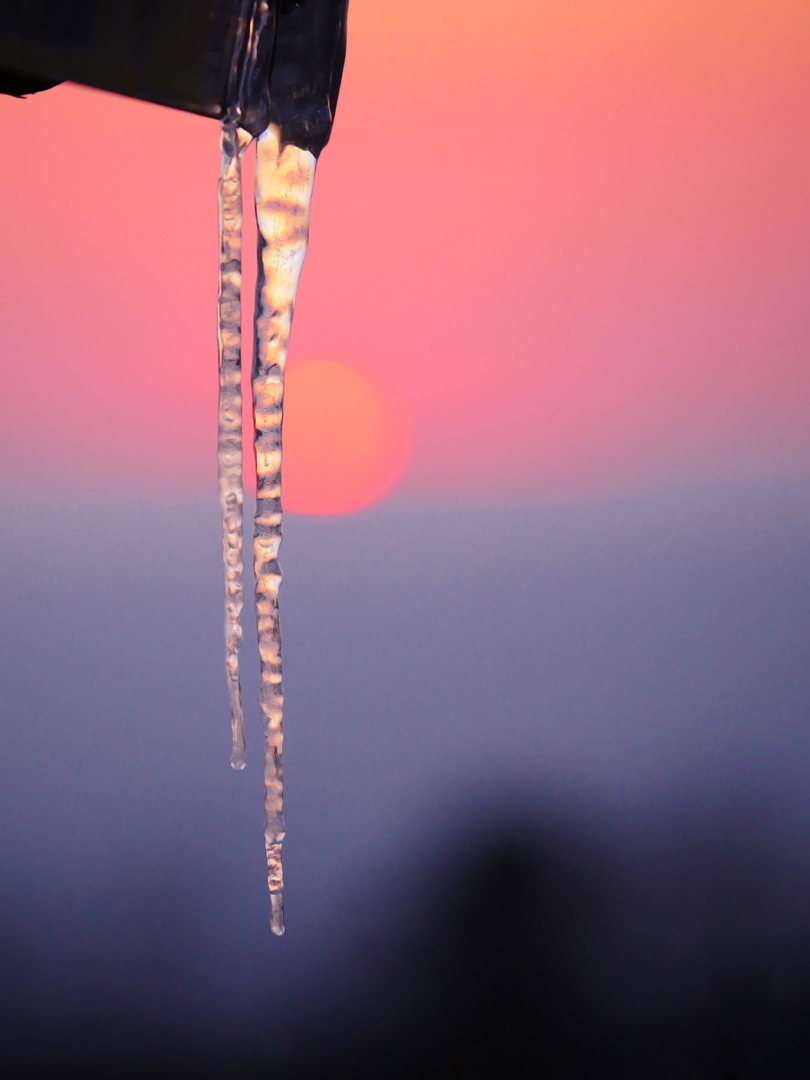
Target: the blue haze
pixel 630 677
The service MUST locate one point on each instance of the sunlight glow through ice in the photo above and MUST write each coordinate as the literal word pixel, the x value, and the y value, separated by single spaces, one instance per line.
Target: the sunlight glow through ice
pixel 284 181
pixel 234 141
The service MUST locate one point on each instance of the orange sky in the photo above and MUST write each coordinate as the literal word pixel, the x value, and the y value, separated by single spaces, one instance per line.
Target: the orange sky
pixel 575 242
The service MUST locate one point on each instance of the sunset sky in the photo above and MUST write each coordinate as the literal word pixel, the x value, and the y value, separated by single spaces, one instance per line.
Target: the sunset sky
pixel 568 247
pixel 547 702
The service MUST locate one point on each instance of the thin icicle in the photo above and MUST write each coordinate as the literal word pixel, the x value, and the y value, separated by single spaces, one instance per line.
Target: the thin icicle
pixel 229 451
pixel 284 179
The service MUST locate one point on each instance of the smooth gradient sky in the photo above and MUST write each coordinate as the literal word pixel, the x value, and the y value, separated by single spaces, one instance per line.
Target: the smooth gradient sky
pixel 546 782
pixel 571 241
pixel 545 765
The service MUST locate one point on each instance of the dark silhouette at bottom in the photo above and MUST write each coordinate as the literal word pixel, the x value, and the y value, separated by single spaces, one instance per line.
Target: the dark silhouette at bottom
pixel 522 950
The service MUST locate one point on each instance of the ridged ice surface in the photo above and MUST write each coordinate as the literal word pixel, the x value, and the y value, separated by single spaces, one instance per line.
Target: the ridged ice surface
pixel 229 449
pixel 284 179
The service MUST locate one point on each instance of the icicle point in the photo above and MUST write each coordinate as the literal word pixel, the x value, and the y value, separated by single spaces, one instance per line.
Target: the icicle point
pixel 284 179
pixel 277 913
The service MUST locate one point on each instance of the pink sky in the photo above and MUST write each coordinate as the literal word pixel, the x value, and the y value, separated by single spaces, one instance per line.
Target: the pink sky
pixel 574 243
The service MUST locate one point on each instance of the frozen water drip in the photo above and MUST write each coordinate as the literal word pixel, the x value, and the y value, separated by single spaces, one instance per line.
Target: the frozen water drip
pixel 234 141
pixel 284 179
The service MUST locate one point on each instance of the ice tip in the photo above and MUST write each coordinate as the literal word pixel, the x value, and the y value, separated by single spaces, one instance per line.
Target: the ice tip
pixel 277 914
pixel 238 760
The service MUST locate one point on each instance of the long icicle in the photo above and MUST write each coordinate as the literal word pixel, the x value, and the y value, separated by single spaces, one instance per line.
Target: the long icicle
pixel 284 180
pixel 233 143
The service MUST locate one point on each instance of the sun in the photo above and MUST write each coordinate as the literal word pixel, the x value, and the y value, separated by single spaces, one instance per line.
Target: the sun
pixel 346 443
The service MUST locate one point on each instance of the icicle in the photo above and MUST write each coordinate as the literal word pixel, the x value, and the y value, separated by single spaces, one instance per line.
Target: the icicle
pixel 284 179
pixel 229 451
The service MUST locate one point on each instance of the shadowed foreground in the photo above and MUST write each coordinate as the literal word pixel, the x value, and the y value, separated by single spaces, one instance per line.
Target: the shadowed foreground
pixel 528 949
pixel 546 795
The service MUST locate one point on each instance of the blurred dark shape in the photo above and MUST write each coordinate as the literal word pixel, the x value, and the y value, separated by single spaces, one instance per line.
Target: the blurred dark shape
pixel 203 57
pixel 22 85
pixel 523 951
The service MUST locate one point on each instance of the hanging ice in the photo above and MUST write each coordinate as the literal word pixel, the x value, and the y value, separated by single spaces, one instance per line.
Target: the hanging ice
pixel 284 180
pixel 229 451
pixel 287 67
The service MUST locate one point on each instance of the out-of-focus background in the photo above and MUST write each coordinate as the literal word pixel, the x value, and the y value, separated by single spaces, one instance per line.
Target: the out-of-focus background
pixel 570 239
pixel 547 692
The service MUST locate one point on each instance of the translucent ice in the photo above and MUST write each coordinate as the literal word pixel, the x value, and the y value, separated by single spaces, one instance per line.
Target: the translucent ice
pixel 229 451
pixel 284 180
